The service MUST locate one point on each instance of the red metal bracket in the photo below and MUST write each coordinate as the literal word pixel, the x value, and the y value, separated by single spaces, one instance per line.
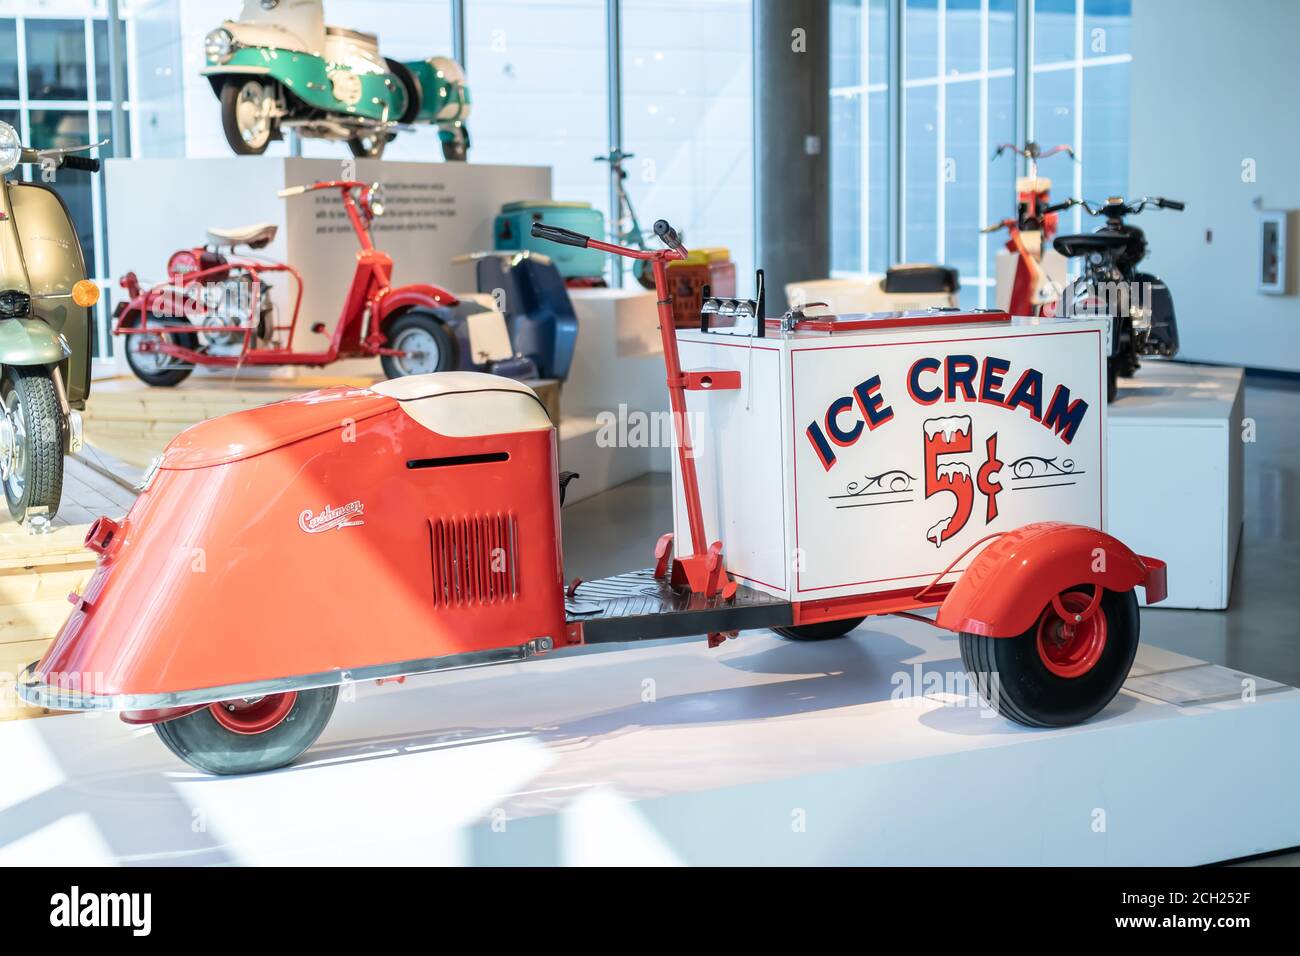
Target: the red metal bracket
pixel 711 380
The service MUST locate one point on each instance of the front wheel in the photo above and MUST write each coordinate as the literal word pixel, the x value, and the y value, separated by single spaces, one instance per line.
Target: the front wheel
pixel 821 631
pixel 248 115
pixel 252 734
pixel 1063 669
pixel 31 442
pixel 426 343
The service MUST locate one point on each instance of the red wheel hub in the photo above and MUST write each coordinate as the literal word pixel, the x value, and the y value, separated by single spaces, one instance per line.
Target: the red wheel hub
pixel 1072 634
pixel 253 715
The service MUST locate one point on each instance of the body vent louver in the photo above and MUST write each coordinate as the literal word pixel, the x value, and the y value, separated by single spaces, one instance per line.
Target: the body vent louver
pixel 475 559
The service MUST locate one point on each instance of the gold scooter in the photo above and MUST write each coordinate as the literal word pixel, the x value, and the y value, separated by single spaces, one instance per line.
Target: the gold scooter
pixel 46 317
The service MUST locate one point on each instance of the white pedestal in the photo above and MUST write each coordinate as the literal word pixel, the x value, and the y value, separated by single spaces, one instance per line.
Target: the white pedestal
pixel 614 403
pixel 761 752
pixel 1175 475
pixel 433 213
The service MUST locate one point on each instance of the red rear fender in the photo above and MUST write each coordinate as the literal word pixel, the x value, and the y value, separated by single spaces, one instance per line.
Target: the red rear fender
pixel 419 295
pixel 1009 583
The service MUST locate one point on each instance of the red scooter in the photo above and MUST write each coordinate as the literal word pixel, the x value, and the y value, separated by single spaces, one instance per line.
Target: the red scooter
pixel 215 309
pixel 1034 290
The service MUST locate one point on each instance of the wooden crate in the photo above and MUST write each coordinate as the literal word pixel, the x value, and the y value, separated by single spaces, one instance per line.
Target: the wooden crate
pixel 37 573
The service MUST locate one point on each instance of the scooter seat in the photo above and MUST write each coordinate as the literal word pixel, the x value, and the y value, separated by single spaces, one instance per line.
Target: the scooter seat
pixel 255 236
pixel 1088 242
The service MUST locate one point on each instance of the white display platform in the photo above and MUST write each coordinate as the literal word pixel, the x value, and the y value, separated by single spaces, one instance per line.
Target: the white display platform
pixel 433 213
pixel 618 361
pixel 762 751
pixel 1174 478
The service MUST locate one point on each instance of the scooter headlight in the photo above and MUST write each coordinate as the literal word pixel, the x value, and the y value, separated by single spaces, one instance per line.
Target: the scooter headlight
pixel 14 304
pixel 219 45
pixel 11 148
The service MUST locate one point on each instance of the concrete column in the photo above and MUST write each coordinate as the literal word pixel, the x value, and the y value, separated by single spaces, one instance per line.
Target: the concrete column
pixel 791 143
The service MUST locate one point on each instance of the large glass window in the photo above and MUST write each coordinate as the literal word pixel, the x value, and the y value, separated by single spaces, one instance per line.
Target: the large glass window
pixel 1081 60
pixel 957 104
pixel 688 118
pixel 8 59
pixel 859 135
pixel 536 71
pixel 56 60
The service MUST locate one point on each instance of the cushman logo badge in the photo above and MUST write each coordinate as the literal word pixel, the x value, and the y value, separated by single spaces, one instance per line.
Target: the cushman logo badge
pixel 344 516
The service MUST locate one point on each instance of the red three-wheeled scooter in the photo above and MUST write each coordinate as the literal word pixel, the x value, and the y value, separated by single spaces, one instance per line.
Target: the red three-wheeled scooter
pixel 439 495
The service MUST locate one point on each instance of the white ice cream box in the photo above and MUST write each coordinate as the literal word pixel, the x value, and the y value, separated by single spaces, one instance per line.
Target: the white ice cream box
pixel 865 454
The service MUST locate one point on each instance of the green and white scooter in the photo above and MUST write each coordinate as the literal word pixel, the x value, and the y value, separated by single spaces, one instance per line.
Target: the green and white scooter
pixel 279 66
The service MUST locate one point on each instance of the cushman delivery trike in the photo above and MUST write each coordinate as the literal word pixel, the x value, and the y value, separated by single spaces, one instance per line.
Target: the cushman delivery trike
pixel 851 466
pixel 215 308
pixel 46 304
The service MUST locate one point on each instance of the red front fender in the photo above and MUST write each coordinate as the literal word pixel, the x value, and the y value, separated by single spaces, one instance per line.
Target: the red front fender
pixel 1009 583
pixel 409 296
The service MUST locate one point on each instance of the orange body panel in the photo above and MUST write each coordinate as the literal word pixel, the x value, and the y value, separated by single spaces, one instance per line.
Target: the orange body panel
pixel 295 539
pixel 1009 583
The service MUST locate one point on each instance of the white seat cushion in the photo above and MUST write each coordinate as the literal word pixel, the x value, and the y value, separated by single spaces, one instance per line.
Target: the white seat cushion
pixel 256 236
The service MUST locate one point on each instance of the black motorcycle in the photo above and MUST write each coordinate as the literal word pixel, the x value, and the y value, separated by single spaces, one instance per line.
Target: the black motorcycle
pixel 1137 305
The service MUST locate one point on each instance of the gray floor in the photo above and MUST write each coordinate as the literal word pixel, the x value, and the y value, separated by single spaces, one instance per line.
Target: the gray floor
pixel 1258 634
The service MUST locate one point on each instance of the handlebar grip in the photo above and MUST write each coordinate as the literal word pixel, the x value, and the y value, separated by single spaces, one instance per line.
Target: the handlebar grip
pixel 561 235
pixel 668 234
pixel 83 163
pixel 291 191
pixel 1171 204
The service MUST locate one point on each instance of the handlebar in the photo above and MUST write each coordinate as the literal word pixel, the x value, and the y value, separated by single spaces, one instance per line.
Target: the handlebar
pixel 1119 207
pixel 668 235
pixel 291 191
pixel 83 163
pixel 566 237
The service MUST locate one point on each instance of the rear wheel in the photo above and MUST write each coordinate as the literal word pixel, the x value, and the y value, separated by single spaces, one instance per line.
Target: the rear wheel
pixel 426 343
pixel 369 145
pixel 250 735
pixel 1066 667
pixel 31 442
pixel 248 115
pixel 821 631
pixel 152 366
pixel 456 150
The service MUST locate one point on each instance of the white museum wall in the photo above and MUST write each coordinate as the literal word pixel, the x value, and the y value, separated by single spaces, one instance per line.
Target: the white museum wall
pixel 1212 88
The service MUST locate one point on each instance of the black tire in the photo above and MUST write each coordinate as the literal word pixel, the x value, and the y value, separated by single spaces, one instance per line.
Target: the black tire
pixel 1112 381
pixel 37 480
pixel 1013 679
pixel 456 150
pixel 421 322
pixel 821 631
pixel 230 124
pixel 410 83
pixel 375 148
pixel 203 743
pixel 164 378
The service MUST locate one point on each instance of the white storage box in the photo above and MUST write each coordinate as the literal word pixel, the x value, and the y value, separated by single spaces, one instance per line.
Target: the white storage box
pixel 865 454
